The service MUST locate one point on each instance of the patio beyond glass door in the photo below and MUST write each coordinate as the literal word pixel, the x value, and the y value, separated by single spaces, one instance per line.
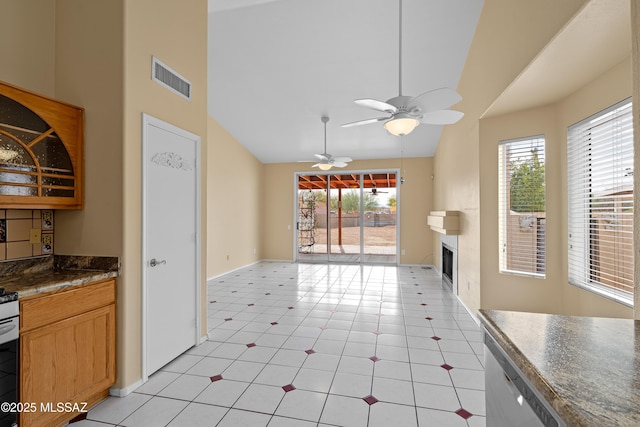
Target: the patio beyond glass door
pixel 344 218
pixel 347 217
pixel 379 220
pixel 312 222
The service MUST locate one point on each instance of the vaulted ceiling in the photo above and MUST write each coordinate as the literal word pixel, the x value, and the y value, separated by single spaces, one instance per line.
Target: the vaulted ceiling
pixel 277 66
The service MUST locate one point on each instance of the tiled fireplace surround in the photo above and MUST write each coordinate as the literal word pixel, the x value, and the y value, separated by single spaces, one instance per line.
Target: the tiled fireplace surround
pixel 451 243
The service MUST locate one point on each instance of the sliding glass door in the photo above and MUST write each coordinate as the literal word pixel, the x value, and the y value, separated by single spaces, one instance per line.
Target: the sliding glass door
pixel 347 217
pixel 379 226
pixel 344 225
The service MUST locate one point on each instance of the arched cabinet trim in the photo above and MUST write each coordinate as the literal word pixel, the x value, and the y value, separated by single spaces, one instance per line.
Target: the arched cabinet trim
pixel 41 151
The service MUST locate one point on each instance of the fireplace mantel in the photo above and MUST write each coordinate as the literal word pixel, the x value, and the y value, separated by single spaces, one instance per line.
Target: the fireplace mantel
pixel 444 222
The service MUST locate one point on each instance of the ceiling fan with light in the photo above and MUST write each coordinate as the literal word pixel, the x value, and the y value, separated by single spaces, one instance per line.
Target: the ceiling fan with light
pixel 327 161
pixel 374 190
pixel 407 112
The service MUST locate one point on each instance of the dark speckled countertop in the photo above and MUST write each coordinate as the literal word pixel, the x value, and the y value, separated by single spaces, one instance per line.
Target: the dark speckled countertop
pixel 52 273
pixel 587 368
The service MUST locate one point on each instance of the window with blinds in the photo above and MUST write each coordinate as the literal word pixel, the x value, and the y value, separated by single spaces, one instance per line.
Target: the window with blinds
pixel 522 203
pixel 600 203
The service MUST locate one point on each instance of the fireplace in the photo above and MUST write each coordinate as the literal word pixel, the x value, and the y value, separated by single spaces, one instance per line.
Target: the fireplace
pixel 449 261
pixel 447 266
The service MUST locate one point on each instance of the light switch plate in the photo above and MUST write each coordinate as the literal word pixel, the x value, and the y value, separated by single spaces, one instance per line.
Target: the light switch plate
pixel 35 236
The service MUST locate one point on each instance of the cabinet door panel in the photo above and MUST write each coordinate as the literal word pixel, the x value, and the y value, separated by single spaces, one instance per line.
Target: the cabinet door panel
pixel 69 361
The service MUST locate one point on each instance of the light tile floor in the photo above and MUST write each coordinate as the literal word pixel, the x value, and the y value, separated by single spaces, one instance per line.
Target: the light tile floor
pixel 319 345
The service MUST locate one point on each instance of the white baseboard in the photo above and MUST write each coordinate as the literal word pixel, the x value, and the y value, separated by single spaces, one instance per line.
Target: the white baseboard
pixel 249 265
pixel 122 392
pixel 277 260
pixel 419 266
pixel 472 314
pixel 231 271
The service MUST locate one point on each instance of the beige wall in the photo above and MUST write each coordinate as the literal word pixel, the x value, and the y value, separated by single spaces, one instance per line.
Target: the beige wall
pixel 88 49
pixel 552 294
pixel 509 291
pixel 86 60
pixel 27 44
pixel 61 50
pixel 497 56
pixel 508 36
pixel 234 203
pixel 414 206
pixel 184 49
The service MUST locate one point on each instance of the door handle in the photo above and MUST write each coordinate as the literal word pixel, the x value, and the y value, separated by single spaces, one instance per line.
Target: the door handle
pixel 154 262
pixel 7 328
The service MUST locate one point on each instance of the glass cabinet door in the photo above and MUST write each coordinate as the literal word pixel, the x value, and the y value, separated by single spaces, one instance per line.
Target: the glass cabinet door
pixel 40 151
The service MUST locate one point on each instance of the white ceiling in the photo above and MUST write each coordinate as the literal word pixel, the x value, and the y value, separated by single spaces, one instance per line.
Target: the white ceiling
pixel 277 66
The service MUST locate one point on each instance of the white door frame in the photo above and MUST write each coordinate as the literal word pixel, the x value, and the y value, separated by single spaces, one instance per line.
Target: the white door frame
pixel 296 175
pixel 148 120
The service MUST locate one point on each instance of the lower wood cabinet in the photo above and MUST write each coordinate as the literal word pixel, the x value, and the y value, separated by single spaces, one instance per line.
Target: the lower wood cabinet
pixel 67 352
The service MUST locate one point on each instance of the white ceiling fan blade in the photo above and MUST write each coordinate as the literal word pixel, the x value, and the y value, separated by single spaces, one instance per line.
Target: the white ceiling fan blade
pixel 339 164
pixel 441 117
pixel 437 99
pixel 365 122
pixel 374 104
pixel 342 159
pixel 323 156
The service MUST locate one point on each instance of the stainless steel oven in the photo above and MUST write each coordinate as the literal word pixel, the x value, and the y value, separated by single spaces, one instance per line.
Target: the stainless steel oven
pixel 9 357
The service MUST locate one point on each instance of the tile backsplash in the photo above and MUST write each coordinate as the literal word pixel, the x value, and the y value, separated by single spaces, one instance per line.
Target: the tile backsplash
pixel 25 233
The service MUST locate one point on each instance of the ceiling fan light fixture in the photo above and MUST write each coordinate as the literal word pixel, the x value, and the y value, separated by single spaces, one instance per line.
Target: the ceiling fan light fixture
pixel 401 124
pixel 327 161
pixel 407 112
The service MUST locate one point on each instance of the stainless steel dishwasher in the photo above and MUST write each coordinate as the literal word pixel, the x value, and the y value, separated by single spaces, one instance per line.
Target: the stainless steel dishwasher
pixel 510 398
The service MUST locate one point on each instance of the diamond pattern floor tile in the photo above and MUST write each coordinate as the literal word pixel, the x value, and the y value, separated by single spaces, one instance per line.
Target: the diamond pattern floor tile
pixel 294 344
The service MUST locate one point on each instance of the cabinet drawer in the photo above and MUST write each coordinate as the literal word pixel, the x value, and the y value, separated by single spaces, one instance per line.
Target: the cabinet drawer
pixel 49 308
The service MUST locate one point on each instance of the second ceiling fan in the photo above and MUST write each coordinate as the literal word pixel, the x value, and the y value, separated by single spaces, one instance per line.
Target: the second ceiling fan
pixel 407 112
pixel 327 161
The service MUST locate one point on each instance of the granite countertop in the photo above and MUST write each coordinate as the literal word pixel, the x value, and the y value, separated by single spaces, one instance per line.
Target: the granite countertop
pixel 51 273
pixel 587 368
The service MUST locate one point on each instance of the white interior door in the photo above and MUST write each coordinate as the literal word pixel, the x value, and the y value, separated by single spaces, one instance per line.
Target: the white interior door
pixel 171 242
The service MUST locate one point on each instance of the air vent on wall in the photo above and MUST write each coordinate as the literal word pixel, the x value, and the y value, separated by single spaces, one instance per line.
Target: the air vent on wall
pixel 168 78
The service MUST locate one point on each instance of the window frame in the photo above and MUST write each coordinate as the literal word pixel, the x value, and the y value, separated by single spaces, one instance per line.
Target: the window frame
pixel 504 207
pixel 581 179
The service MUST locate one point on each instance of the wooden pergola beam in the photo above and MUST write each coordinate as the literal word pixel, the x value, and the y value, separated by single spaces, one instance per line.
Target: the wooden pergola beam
pixel 319 182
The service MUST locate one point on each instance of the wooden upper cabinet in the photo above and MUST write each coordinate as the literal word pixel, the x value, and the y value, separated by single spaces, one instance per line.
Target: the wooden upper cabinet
pixel 41 151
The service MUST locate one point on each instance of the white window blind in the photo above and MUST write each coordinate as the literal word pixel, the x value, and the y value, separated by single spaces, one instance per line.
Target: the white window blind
pixel 521 204
pixel 600 203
